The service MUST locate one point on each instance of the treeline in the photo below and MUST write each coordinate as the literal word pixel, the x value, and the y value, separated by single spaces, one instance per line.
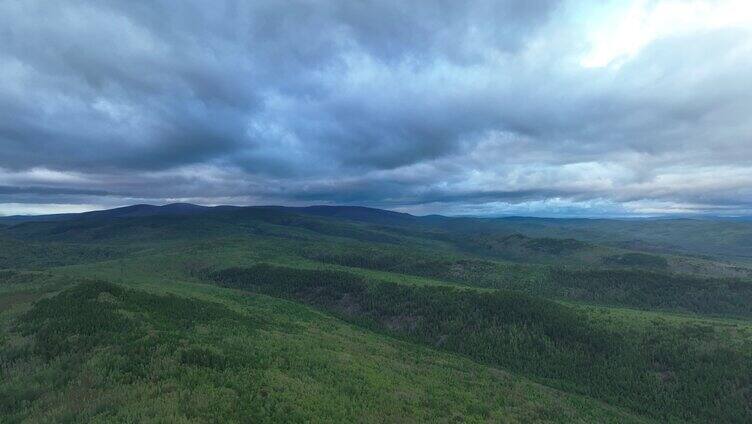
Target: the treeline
pixel 471 272
pixel 610 286
pixel 669 374
pixel 653 290
pixel 516 246
pixel 28 255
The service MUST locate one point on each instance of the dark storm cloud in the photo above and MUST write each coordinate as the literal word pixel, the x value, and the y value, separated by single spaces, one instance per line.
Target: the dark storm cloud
pixel 388 103
pixel 6 190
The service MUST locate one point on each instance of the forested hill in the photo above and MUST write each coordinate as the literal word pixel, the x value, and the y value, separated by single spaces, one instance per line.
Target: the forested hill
pixel 474 252
pixel 717 239
pixel 331 314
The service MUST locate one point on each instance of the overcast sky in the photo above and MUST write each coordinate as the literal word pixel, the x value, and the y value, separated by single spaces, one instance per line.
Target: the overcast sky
pixel 563 108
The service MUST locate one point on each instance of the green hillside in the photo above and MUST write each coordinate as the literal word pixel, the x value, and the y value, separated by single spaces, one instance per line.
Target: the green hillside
pixel 326 315
pixel 98 352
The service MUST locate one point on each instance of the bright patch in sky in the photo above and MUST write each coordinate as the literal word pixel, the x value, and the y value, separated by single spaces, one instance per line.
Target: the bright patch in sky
pixel 630 27
pixel 10 209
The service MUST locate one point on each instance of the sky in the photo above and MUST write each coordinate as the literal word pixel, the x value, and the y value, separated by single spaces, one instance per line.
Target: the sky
pixel 506 107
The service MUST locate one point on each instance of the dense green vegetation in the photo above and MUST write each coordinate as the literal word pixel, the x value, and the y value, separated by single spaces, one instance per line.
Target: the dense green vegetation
pixel 21 254
pixel 652 290
pixel 322 314
pixel 664 373
pixel 614 286
pixel 715 237
pixel 98 352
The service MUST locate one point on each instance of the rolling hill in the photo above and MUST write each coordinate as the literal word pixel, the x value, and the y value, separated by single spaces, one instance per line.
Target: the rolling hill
pixel 184 312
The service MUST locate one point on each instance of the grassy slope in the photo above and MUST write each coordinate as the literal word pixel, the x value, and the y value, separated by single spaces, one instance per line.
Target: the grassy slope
pixel 212 354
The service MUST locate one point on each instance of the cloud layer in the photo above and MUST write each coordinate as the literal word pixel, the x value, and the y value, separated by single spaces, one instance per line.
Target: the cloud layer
pixel 482 107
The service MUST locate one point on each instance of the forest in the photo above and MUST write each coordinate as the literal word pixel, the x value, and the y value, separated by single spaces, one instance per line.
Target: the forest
pixel 295 315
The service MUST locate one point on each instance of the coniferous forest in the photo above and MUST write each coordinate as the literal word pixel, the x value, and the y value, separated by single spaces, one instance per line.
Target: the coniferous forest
pixel 291 315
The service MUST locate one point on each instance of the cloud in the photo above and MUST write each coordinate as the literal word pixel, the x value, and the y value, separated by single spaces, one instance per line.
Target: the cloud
pixel 486 106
